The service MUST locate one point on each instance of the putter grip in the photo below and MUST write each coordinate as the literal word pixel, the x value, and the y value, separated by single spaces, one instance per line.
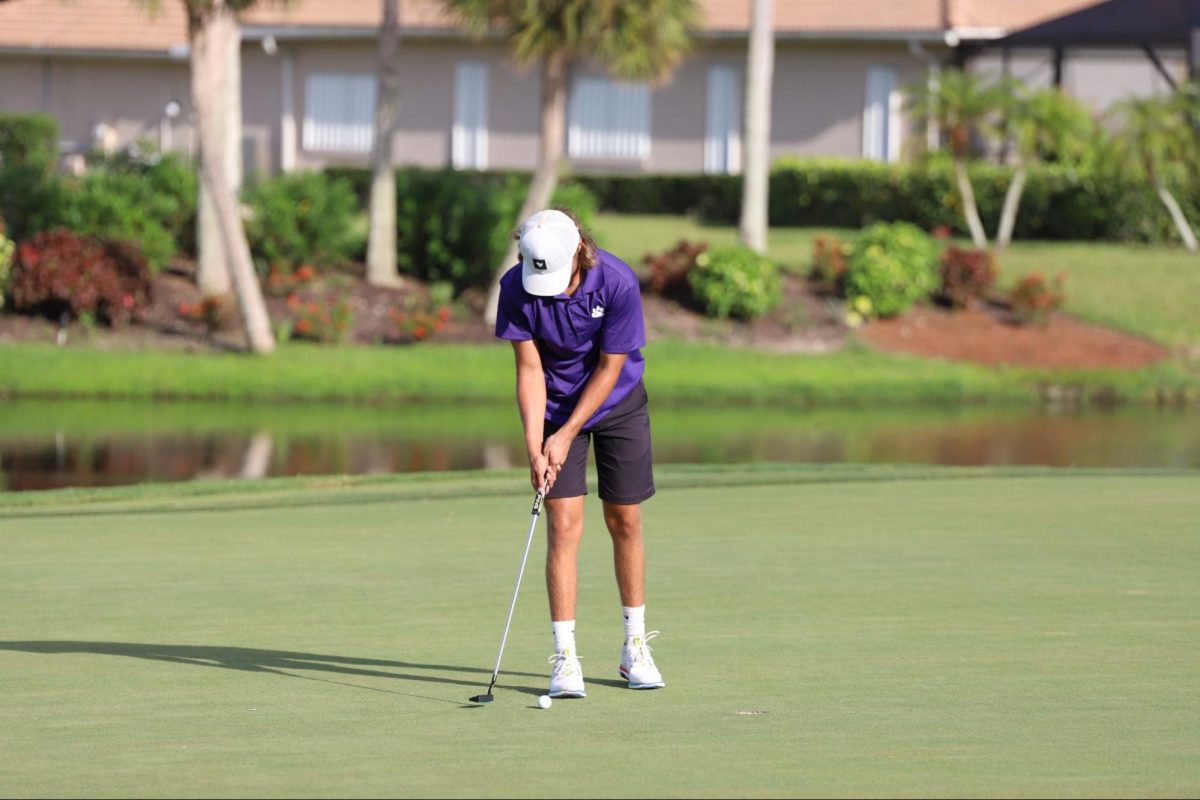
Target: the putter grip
pixel 537 504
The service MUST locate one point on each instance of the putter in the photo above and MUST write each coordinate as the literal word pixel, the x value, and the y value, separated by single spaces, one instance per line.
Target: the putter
pixel 537 509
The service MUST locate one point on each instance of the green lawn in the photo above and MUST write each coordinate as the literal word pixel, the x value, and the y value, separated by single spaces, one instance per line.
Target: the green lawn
pixel 680 372
pixel 1146 290
pixel 896 632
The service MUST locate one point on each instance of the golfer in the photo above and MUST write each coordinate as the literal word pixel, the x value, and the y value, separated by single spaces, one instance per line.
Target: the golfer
pixel 573 313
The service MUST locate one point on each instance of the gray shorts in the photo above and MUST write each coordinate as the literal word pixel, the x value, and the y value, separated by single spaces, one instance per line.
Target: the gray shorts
pixel 623 456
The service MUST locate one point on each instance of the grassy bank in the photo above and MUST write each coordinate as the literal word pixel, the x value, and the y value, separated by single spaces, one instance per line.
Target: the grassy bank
pixel 893 632
pixel 679 372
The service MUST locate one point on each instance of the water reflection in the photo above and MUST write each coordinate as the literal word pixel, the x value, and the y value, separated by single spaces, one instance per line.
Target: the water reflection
pixel 52 445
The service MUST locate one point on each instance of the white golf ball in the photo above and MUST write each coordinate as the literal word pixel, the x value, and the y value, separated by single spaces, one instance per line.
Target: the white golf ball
pixel 544 701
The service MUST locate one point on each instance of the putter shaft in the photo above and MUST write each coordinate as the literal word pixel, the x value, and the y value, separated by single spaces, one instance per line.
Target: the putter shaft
pixel 537 510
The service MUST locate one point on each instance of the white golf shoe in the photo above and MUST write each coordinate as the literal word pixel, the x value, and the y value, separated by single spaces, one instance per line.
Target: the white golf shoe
pixel 566 679
pixel 637 665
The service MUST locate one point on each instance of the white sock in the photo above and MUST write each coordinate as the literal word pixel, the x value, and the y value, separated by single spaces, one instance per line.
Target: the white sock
pixel 564 635
pixel 635 621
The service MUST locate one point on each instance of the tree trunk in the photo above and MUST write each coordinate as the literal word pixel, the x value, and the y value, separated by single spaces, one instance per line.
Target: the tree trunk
pixel 970 210
pixel 550 153
pixel 206 95
pixel 224 43
pixel 1012 202
pixel 1177 216
pixel 381 246
pixel 757 147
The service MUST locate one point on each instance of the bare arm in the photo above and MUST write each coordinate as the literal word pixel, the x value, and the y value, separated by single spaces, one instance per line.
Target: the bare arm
pixel 599 386
pixel 531 402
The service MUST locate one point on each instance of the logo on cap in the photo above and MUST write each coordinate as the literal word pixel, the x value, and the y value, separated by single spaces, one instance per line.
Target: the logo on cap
pixel 539 263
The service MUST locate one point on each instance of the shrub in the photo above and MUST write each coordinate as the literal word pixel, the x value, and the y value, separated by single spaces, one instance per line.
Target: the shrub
pixel 419 323
pixel 213 312
pixel 29 140
pixel 735 281
pixel 967 275
pixel 151 202
pixel 60 272
pixel 1033 298
pixel 282 281
pixel 302 217
pixel 31 196
pixel 7 249
pixel 892 265
pixel 829 262
pixel 667 272
pixel 578 200
pixel 319 321
pixel 455 227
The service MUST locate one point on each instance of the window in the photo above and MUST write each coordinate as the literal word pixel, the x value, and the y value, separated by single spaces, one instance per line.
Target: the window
pixel 881 115
pixel 609 119
pixel 723 140
pixel 339 112
pixel 469 142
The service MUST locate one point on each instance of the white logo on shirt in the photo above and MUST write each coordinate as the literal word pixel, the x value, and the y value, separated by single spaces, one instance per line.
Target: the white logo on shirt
pixel 598 311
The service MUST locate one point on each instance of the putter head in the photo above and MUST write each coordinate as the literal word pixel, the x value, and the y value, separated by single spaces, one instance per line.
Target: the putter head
pixel 482 698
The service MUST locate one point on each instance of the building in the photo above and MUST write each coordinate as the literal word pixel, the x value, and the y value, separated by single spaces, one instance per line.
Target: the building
pixel 111 73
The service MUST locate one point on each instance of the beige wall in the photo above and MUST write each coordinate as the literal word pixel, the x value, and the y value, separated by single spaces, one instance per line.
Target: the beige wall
pixel 128 95
pixel 1098 77
pixel 820 91
pixel 427 101
pixel 818 97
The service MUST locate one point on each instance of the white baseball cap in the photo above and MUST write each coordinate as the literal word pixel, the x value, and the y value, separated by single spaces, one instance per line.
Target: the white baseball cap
pixel 548 243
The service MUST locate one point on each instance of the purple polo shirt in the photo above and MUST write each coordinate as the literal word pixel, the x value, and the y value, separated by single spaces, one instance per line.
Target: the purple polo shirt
pixel 604 314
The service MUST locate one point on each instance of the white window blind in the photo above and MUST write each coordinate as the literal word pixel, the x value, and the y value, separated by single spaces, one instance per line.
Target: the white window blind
pixel 881 115
pixel 609 119
pixel 469 141
pixel 723 139
pixel 339 112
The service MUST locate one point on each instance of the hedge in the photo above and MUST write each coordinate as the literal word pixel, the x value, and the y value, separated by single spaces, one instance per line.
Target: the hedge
pixel 1059 202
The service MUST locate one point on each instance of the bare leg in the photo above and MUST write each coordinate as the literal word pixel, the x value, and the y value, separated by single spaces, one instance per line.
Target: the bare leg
pixel 562 551
pixel 629 552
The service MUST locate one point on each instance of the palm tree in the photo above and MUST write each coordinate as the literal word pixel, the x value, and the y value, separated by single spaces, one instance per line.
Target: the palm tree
pixel 1157 133
pixel 960 105
pixel 632 40
pixel 209 61
pixel 1044 123
pixel 761 65
pixel 212 276
pixel 381 244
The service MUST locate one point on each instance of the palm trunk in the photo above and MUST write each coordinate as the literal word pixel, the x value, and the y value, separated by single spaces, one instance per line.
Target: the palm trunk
pixel 550 153
pixel 381 246
pixel 206 94
pixel 1012 202
pixel 223 43
pixel 1177 216
pixel 757 158
pixel 970 210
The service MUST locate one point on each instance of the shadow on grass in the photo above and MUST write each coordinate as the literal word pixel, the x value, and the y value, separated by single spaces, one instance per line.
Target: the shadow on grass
pixel 281 662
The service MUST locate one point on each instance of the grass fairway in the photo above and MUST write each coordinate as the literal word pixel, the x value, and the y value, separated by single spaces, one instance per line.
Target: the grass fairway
pixel 900 631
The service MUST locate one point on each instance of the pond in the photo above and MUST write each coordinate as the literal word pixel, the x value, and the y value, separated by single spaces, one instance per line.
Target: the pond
pixel 46 445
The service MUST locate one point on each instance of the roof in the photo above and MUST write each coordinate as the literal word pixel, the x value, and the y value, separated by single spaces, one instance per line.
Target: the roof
pixel 124 26
pixel 1155 22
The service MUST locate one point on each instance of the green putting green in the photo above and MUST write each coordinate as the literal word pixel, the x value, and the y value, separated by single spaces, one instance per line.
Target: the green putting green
pixel 825 631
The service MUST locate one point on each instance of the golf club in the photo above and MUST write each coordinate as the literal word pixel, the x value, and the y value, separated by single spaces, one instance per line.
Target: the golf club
pixel 537 509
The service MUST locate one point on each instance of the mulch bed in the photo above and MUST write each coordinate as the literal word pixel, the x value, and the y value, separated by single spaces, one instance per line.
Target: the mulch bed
pixel 988 335
pixel 807 321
